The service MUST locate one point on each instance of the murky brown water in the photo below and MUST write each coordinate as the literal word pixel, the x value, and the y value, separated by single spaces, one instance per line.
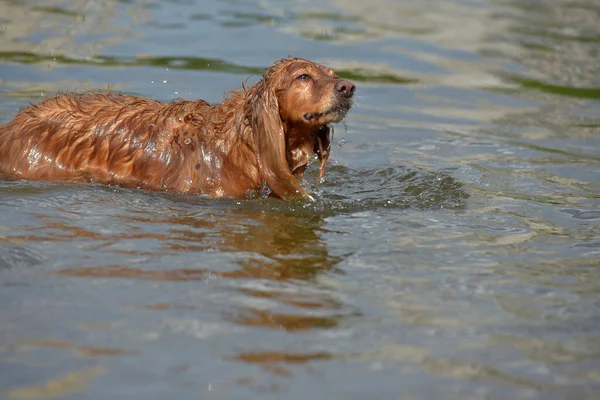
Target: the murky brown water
pixel 453 252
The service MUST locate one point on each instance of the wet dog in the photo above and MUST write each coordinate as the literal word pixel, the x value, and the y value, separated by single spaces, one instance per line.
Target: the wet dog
pixel 261 136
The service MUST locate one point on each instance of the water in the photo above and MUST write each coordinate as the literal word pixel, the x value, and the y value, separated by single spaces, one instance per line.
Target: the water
pixel 453 250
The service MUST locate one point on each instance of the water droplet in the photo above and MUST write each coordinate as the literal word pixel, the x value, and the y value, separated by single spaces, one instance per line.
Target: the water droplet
pixel 152 82
pixel 166 69
pixel 188 181
pixel 164 80
pixel 175 91
pixel 187 141
pixel 42 94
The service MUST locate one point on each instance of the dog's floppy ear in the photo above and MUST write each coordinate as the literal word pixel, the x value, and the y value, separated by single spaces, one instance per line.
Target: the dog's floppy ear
pixel 269 136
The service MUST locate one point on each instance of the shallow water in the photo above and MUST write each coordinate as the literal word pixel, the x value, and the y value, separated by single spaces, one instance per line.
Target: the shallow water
pixel 453 250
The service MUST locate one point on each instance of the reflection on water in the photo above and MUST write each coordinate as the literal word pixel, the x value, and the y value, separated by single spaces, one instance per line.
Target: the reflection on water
pixel 265 245
pixel 451 253
pixel 275 362
pixel 69 384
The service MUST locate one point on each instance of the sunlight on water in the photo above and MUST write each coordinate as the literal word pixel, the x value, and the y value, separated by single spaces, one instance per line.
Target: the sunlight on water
pixel 452 250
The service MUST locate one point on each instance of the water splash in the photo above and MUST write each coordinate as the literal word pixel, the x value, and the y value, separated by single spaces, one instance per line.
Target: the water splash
pixel 391 187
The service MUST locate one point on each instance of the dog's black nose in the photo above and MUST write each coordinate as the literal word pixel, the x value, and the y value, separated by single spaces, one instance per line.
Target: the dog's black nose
pixel 345 88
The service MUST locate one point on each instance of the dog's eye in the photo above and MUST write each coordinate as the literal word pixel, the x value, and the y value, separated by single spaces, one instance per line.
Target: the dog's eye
pixel 303 77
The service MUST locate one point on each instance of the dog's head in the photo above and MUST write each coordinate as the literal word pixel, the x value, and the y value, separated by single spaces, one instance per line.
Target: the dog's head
pixel 291 109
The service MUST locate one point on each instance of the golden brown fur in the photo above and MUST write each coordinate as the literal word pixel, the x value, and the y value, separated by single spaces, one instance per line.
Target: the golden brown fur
pixel 260 136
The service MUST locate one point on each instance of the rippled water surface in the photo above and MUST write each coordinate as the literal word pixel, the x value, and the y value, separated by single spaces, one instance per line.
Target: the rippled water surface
pixel 453 251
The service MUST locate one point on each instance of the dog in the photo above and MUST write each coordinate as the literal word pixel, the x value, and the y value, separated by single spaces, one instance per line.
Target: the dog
pixel 262 136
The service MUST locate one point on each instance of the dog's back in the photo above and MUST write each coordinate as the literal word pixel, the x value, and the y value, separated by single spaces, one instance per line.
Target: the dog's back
pixel 124 140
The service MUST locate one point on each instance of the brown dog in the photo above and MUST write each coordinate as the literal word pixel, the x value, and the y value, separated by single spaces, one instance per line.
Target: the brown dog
pixel 262 135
